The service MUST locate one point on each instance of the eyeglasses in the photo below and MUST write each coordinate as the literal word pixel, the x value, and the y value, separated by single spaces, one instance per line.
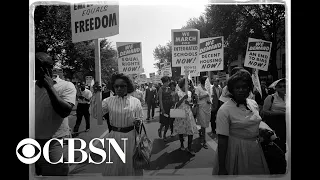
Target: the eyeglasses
pixel 244 88
pixel 119 86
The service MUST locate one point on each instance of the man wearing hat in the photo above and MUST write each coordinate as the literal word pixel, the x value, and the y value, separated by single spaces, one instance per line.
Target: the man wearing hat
pixel 54 100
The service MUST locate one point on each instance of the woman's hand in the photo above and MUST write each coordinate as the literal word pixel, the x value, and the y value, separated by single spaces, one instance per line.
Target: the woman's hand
pixel 137 122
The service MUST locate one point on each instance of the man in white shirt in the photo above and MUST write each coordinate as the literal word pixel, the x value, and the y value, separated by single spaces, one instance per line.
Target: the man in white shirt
pixel 83 108
pixel 54 100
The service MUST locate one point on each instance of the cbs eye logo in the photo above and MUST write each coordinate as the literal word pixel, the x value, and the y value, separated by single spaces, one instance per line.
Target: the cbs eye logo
pixel 28 151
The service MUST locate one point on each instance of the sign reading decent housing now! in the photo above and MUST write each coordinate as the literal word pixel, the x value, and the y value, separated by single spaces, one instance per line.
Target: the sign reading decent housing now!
pixel 258 54
pixel 94 20
pixel 129 57
pixel 185 49
pixel 211 54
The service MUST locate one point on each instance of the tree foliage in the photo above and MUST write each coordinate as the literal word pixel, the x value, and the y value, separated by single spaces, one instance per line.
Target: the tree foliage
pixel 236 23
pixel 53 35
pixel 164 54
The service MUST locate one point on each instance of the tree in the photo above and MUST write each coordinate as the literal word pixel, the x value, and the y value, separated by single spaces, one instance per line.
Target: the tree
pixel 236 23
pixel 53 36
pixel 164 54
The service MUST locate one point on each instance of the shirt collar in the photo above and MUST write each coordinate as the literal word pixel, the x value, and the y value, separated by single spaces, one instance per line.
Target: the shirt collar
pixel 57 80
pixel 124 97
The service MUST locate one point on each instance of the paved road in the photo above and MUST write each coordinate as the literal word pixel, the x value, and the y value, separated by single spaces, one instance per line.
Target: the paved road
pixel 166 158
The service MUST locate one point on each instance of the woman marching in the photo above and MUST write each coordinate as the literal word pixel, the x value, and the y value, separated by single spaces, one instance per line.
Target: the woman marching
pixel 204 109
pixel 238 120
pixel 125 112
pixel 185 125
pixel 165 101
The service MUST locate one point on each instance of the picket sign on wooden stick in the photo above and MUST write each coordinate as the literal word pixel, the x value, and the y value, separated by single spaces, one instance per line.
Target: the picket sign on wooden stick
pixel 98 79
pixel 186 74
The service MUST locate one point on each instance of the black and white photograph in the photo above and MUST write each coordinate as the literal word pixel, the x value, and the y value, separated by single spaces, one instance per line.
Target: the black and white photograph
pixel 158 89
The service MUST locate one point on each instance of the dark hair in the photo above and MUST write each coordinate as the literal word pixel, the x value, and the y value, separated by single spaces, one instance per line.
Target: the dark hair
pixel 281 81
pixel 130 87
pixel 242 75
pixel 181 82
pixel 235 70
pixel 203 79
pixel 172 83
pixel 165 79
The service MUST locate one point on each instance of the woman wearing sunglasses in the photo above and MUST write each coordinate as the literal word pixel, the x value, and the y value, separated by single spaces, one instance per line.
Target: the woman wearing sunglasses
pixel 125 111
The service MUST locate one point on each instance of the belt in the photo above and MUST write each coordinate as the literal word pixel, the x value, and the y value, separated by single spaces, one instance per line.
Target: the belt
pixel 62 137
pixel 122 129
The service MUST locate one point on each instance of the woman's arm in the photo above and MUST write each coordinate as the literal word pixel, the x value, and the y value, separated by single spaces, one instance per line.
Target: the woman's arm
pixel 222 129
pixel 160 100
pixel 222 153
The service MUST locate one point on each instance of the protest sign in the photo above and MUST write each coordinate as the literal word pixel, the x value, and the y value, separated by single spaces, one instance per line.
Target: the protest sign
pixel 129 57
pixel 193 70
pixel 151 75
pixel 211 54
pixel 92 21
pixel 89 80
pixel 142 78
pixel 166 69
pixel 157 79
pixel 185 49
pixel 258 54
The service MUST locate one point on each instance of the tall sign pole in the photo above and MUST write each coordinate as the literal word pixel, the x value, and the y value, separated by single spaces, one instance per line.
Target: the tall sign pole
pixel 84 28
pixel 98 94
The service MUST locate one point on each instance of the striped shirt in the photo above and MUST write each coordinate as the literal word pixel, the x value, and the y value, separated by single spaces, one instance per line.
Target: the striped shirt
pixel 122 111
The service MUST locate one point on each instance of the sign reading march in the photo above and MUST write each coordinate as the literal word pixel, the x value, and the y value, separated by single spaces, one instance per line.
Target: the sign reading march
pixel 129 57
pixel 211 54
pixel 258 54
pixel 185 48
pixel 92 21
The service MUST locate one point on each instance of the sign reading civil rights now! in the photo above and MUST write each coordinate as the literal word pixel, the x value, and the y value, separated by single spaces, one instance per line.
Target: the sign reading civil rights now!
pixel 211 54
pixel 185 49
pixel 94 20
pixel 129 57
pixel 258 54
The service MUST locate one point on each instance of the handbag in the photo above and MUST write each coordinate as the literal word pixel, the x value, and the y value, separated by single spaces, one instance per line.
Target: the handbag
pixel 273 154
pixel 142 150
pixel 177 113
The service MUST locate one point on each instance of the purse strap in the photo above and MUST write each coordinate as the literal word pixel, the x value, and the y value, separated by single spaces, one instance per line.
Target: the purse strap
pixel 140 130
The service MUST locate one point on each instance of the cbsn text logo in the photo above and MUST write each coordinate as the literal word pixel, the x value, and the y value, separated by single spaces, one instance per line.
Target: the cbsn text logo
pixel 29 150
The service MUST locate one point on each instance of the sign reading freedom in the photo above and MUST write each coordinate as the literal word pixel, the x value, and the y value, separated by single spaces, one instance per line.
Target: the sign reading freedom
pixel 94 21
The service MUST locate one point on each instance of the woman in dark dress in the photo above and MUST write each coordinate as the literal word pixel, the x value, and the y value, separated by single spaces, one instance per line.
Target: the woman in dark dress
pixel 165 101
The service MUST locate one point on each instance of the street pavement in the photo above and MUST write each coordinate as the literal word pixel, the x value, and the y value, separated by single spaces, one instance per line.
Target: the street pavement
pixel 166 157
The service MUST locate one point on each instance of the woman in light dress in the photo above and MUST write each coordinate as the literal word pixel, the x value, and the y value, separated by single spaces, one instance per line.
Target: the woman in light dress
pixel 125 111
pixel 185 126
pixel 238 120
pixel 204 109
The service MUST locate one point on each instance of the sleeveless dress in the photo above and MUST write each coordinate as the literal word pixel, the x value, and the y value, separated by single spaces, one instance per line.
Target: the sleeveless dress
pixel 167 102
pixel 244 154
pixel 185 125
